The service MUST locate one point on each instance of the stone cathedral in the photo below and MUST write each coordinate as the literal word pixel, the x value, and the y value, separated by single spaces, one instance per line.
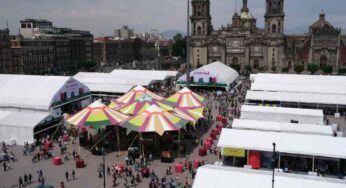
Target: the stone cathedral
pixel 241 43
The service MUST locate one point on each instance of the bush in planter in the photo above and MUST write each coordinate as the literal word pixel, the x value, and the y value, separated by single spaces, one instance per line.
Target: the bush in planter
pixel 299 68
pixel 312 68
pixel 260 69
pixel 285 69
pixel 248 68
pixel 342 71
pixel 273 69
pixel 327 69
pixel 235 67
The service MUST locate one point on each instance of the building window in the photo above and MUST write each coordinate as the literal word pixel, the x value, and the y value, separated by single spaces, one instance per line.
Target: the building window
pixel 256 64
pixel 23 25
pixel 323 61
pixel 199 29
pixel 235 60
pixel 273 28
pixel 29 25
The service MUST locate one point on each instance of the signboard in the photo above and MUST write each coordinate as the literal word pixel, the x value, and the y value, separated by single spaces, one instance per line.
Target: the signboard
pixel 72 88
pixel 233 152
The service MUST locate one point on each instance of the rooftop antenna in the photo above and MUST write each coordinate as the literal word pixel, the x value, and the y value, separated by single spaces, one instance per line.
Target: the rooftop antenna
pixel 7 24
pixel 235 7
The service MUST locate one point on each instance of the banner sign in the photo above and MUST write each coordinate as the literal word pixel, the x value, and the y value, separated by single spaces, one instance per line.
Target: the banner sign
pixel 233 152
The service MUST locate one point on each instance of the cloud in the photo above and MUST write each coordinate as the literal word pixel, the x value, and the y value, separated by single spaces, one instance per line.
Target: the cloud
pixel 103 16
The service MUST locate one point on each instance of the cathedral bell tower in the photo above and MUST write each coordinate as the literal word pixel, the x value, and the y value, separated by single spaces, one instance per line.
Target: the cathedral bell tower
pixel 200 30
pixel 200 18
pixel 274 17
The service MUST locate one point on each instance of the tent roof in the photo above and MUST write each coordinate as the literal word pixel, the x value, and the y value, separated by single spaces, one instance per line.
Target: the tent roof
pixel 143 74
pixel 299 83
pixel 219 177
pixel 292 143
pixel 27 91
pixel 21 119
pixel 282 127
pixel 226 73
pixel 281 114
pixel 313 98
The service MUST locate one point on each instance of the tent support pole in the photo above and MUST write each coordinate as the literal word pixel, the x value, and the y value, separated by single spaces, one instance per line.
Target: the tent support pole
pixel 313 163
pixel 279 165
pixel 118 140
pixel 179 144
pixel 248 157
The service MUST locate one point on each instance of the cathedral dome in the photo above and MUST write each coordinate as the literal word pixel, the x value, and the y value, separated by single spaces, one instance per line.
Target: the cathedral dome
pixel 246 15
pixel 321 23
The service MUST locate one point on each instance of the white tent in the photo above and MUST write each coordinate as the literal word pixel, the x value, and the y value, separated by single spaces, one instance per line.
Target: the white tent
pixel 310 98
pixel 223 74
pixel 36 92
pixel 299 83
pixel 280 114
pixel 19 126
pixel 154 75
pixel 282 127
pixel 292 143
pixel 210 176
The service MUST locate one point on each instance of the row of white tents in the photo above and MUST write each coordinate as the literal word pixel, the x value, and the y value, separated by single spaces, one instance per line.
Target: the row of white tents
pixel 295 131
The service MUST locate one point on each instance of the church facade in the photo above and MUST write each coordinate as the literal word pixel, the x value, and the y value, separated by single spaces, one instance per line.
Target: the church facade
pixel 242 44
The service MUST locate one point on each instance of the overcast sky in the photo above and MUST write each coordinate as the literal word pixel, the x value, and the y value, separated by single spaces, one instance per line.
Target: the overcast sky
pixel 102 16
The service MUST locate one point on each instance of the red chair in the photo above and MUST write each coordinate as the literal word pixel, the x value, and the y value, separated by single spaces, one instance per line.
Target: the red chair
pixel 57 161
pixel 179 168
pixel 209 139
pixel 213 135
pixel 202 152
pixel 80 163
pixel 219 118
pixel 195 163
pixel 224 120
pixel 206 145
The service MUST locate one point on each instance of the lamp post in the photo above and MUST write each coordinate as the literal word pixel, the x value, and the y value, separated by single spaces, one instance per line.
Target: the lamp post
pixel 188 45
pixel 273 159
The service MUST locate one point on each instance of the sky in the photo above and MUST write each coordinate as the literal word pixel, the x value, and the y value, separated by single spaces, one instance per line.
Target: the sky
pixel 101 17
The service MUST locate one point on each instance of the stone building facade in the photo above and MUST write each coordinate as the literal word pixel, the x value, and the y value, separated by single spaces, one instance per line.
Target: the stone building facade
pixel 5 47
pixel 242 44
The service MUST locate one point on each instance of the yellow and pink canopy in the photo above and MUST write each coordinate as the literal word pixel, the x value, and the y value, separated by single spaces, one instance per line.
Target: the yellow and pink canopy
pixel 185 98
pixel 190 114
pixel 135 94
pixel 97 114
pixel 154 119
pixel 142 104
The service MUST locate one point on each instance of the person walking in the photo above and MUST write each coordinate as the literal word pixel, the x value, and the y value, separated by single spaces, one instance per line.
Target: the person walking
pixel 26 179
pixel 73 174
pixel 66 175
pixel 5 166
pixel 21 182
pixel 30 178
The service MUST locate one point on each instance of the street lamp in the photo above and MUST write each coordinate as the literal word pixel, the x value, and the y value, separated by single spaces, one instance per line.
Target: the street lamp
pixel 273 159
pixel 188 45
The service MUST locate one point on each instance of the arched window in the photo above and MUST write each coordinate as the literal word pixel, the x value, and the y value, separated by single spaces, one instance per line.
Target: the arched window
pixel 273 28
pixel 235 60
pixel 199 30
pixel 256 64
pixel 323 61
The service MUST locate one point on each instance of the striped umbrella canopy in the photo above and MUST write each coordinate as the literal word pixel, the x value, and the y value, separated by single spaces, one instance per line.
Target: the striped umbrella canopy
pixel 190 114
pixel 114 105
pixel 185 98
pixel 96 115
pixel 154 119
pixel 135 94
pixel 142 104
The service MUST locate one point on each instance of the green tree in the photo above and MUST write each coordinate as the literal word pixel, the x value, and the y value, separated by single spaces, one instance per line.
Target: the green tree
pixel 89 65
pixel 299 68
pixel 312 68
pixel 327 69
pixel 274 69
pixel 248 68
pixel 179 46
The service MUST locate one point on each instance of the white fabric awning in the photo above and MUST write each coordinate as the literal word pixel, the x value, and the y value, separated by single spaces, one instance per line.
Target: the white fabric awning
pixel 280 114
pixel 143 74
pixel 210 176
pixel 292 143
pixel 19 126
pixel 299 83
pixel 311 98
pixel 282 127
